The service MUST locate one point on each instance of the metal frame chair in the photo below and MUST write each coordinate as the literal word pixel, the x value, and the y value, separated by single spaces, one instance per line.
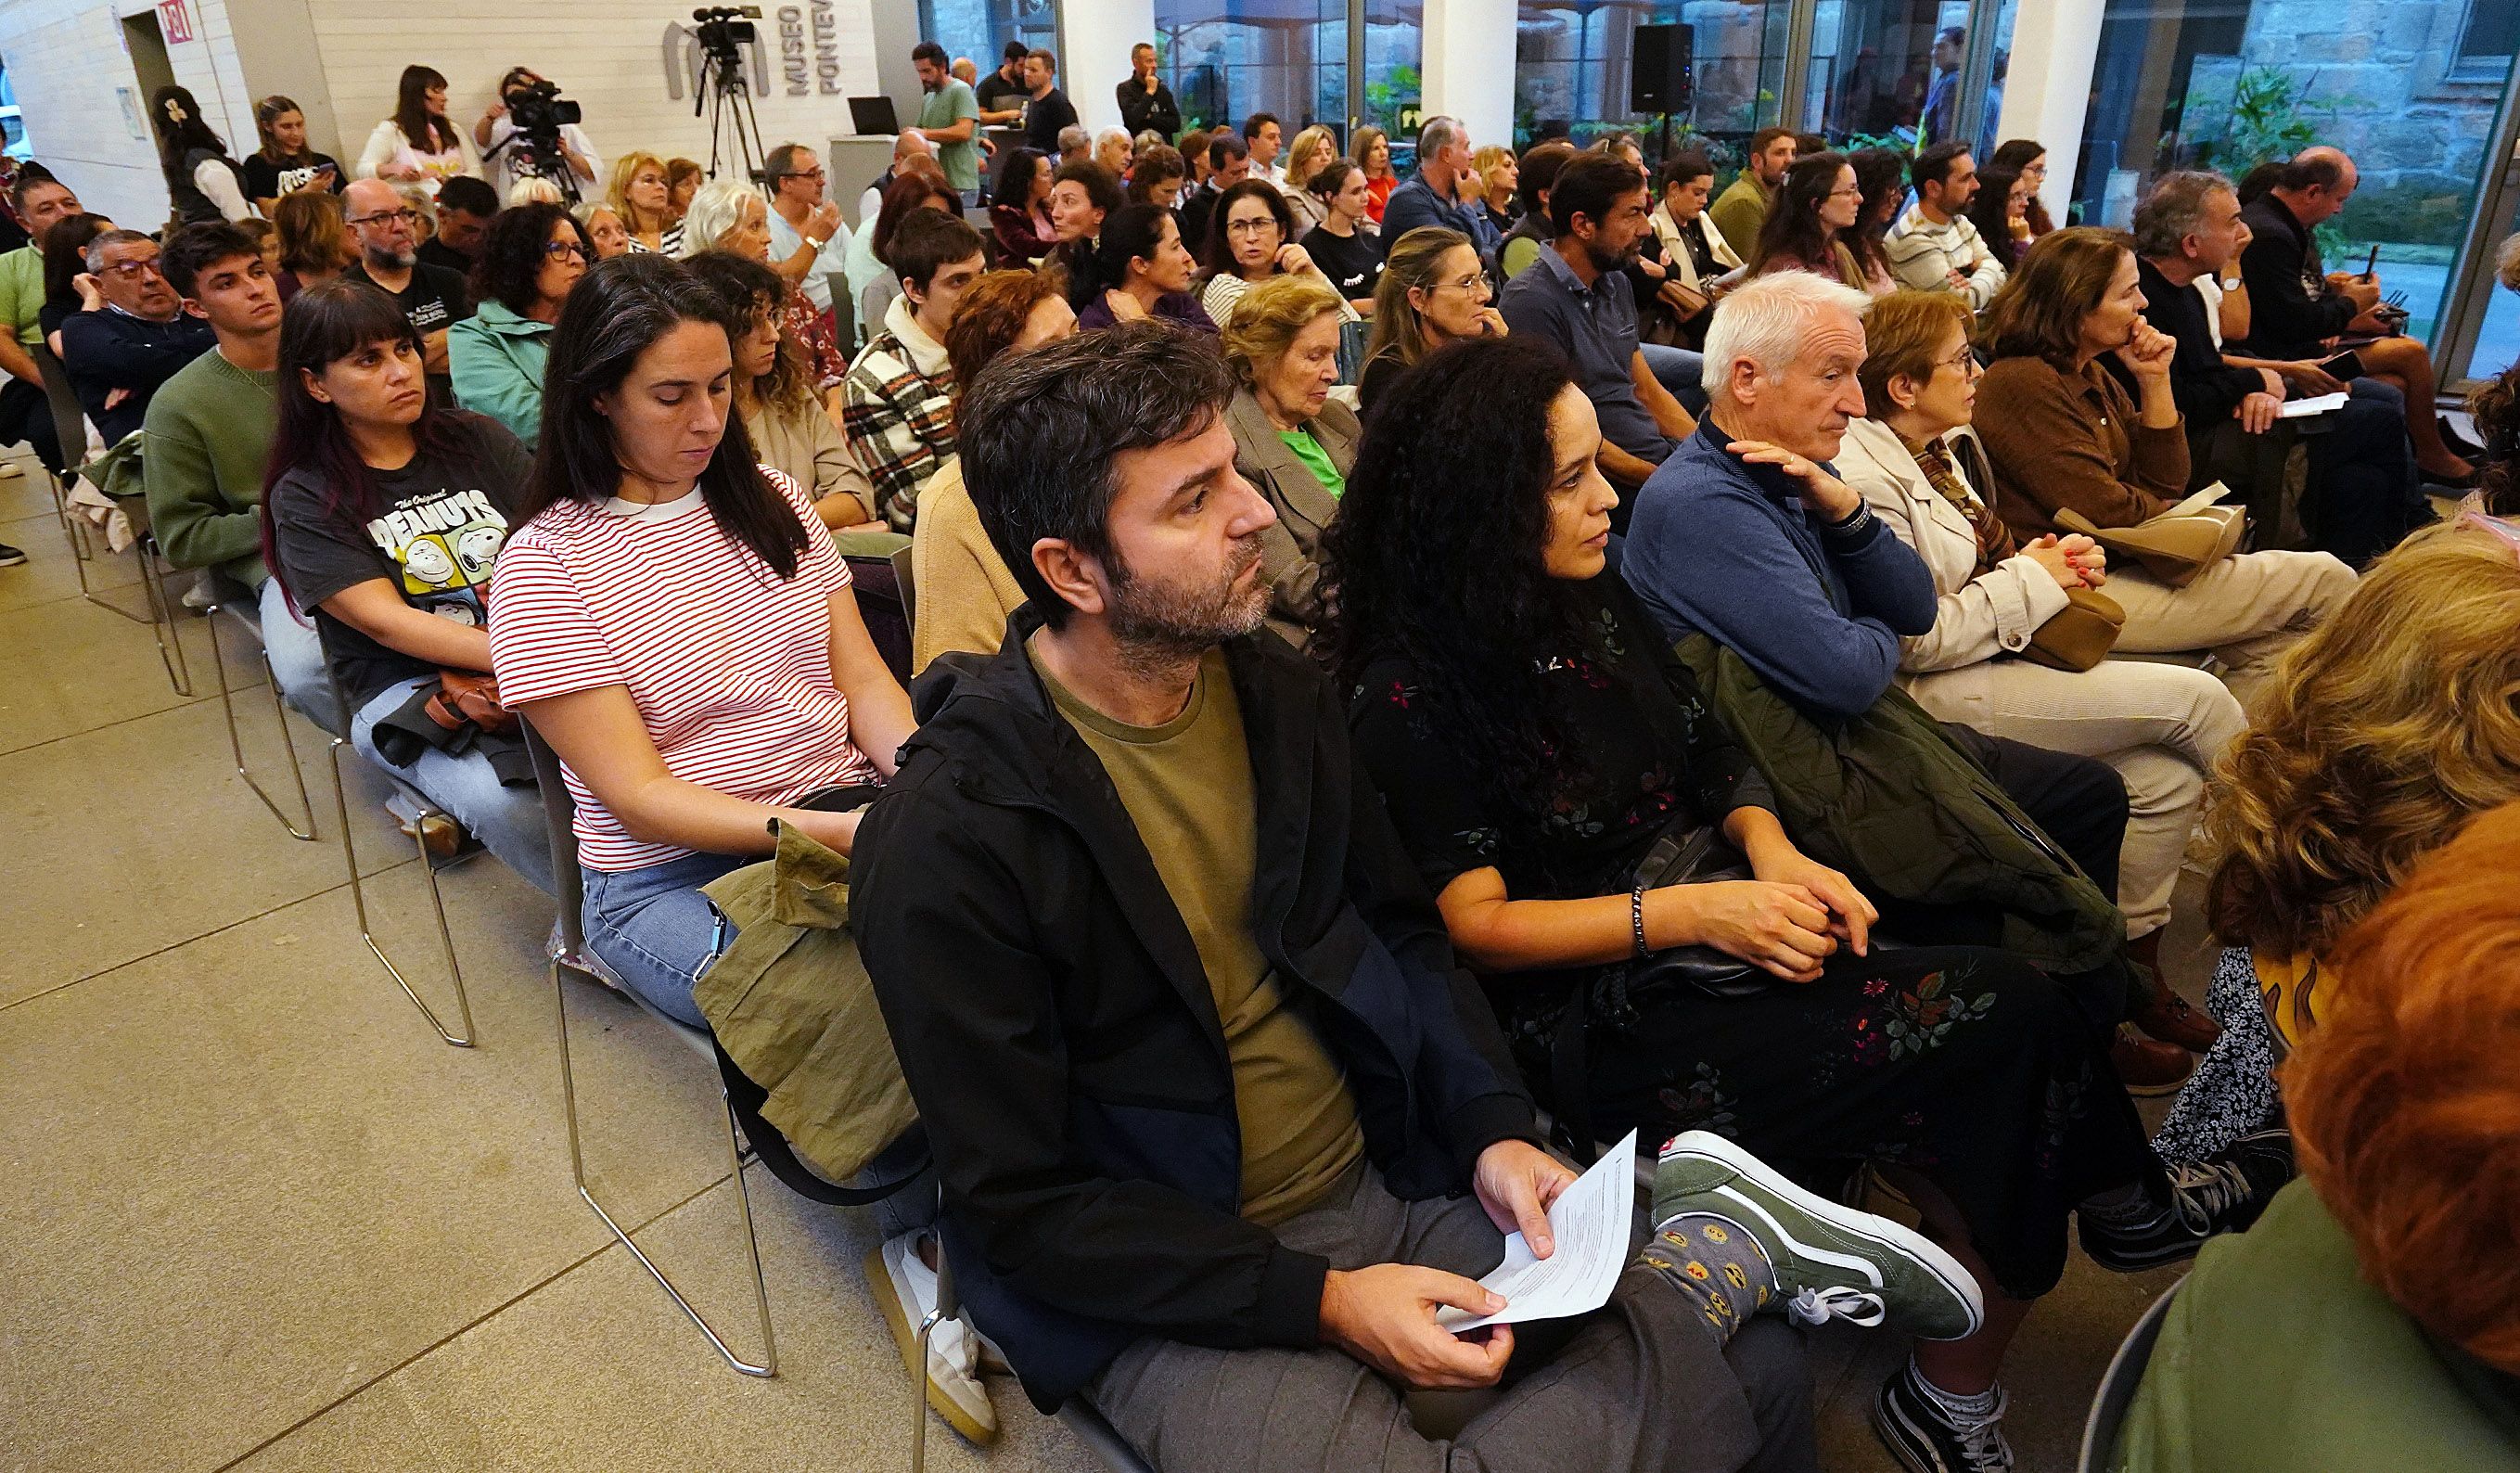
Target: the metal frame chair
pixel 429 865
pixel 235 604
pixel 2118 1386
pixel 570 956
pixel 157 611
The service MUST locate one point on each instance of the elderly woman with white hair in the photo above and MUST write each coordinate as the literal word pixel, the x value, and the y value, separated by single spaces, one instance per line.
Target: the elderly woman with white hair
pixel 734 216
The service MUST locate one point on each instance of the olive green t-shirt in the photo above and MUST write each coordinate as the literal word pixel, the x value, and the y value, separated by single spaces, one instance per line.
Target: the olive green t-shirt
pixel 1189 789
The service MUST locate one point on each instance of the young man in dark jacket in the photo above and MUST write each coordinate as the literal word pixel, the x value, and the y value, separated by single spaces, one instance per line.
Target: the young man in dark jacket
pixel 1220 1122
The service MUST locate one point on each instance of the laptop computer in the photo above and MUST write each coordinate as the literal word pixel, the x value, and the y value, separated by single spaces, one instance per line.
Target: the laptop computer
pixel 873 117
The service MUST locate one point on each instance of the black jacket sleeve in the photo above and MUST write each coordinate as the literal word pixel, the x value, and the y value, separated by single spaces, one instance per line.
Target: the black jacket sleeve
pixel 2284 319
pixel 96 353
pixel 1464 1071
pixel 1140 111
pixel 970 1000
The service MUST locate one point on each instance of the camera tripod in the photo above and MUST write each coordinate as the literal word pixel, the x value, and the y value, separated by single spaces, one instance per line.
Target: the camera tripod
pixel 725 94
pixel 531 157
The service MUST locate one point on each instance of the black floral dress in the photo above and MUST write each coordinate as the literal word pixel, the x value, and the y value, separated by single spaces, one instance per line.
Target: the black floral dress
pixel 1962 1063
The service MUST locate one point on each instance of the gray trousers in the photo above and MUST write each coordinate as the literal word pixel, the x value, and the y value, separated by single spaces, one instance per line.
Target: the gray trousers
pixel 1641 1384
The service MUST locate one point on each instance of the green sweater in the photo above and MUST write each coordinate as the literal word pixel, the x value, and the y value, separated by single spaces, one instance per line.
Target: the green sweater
pixel 2277 1355
pixel 1739 211
pixel 206 440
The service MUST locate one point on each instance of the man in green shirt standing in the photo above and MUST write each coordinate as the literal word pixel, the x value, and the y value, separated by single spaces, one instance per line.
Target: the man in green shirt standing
pixel 26 411
pixel 949 118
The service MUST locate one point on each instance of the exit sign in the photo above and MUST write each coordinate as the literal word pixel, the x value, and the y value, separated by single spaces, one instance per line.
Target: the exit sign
pixel 174 22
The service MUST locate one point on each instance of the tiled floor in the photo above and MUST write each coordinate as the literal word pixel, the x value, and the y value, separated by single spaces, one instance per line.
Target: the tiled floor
pixel 257 1218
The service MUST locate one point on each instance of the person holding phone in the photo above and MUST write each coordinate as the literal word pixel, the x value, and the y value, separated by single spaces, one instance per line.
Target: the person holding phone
pixel 285 165
pixel 2299 309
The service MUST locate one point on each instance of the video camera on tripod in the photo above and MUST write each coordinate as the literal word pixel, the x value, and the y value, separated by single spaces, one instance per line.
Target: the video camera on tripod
pixel 537 113
pixel 710 52
pixel 724 30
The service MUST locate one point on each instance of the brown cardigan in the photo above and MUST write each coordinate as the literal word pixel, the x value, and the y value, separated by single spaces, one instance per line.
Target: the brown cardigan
pixel 2062 439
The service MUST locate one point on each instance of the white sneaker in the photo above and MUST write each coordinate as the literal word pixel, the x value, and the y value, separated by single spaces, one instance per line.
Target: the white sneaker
pixel 904 1289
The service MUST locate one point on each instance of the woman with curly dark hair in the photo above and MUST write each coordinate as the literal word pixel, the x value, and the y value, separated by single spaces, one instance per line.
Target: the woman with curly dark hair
pixel 1554 770
pixel 531 255
pixel 772 391
pixel 1019 207
pixel 2027 159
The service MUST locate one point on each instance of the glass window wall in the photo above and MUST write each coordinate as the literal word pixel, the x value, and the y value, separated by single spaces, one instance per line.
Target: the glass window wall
pixel 1226 60
pixel 1573 66
pixel 2410 88
pixel 981 29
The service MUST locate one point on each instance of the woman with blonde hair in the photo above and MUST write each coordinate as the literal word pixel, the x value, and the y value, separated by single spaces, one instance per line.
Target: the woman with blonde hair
pixel 1433 290
pixel 314 242
pixel 2394 724
pixel 639 193
pixel 2379 1291
pixel 1291 440
pixel 1313 148
pixel 1501 172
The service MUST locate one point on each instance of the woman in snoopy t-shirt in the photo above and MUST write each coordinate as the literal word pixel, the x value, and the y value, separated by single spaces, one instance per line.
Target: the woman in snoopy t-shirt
pixel 383 519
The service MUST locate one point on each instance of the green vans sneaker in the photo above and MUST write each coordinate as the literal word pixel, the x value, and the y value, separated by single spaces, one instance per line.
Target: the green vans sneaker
pixel 1831 1262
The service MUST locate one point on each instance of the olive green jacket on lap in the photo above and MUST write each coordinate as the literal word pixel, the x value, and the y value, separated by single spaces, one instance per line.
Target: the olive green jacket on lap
pixel 1888 798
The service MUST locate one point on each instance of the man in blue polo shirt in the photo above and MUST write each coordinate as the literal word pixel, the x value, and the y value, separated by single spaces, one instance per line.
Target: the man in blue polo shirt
pixel 1434 196
pixel 1577 297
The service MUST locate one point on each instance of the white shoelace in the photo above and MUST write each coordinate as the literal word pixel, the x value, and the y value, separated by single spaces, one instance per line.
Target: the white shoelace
pixel 2201 1193
pixel 1980 1435
pixel 1821 1305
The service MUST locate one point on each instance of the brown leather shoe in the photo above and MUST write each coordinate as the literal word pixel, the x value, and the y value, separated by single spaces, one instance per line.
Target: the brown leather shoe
pixel 2161 1012
pixel 2147 1067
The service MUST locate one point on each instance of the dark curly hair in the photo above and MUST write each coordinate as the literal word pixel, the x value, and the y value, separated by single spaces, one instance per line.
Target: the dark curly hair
pixel 511 255
pixel 2495 409
pixel 1437 558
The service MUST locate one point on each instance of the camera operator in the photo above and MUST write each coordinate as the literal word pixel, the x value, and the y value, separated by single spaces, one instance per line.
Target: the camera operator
pixel 517 133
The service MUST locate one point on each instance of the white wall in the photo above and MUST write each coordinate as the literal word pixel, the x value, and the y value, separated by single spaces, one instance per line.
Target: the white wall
pixel 1469 53
pixel 66 59
pixel 65 62
pixel 1094 37
pixel 606 54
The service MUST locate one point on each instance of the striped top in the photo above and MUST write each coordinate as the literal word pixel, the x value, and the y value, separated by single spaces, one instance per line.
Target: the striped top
pixel 730 668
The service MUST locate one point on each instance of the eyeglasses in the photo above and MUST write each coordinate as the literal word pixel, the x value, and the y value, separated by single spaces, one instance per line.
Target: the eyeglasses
pixel 1964 362
pixel 1848 191
pixel 132 271
pixel 563 250
pixel 2494 524
pixel 400 217
pixel 1469 282
pixel 1248 227
pixel 816 172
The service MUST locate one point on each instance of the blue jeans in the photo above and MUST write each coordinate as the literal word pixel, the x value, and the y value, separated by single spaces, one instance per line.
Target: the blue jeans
pixel 655 929
pixel 1681 370
pixel 508 821
pixel 297 658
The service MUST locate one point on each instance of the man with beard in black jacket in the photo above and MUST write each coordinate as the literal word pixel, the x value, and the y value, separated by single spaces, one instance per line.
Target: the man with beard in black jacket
pixel 1221 1124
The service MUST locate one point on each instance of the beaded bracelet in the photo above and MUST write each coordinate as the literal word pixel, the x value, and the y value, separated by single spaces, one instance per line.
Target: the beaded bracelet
pixel 1636 916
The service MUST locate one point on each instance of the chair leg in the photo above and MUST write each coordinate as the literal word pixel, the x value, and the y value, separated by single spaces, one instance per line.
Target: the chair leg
pixel 769 1365
pixel 235 744
pixel 161 616
pixel 436 899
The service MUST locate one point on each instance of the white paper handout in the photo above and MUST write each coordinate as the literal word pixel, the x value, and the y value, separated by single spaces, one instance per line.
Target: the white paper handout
pixel 1591 1222
pixel 2300 409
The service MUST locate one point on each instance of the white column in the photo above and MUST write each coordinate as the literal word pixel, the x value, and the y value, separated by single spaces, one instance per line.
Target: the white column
pixel 1469 55
pixel 1093 41
pixel 2047 88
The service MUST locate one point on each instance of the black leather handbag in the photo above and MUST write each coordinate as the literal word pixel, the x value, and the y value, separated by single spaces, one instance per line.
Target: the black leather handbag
pixel 1684 853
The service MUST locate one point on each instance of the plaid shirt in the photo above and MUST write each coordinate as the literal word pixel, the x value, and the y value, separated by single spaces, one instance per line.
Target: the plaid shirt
pixel 900 423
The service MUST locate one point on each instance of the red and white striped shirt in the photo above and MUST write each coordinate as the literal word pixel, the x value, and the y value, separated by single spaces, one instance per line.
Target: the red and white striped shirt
pixel 730 667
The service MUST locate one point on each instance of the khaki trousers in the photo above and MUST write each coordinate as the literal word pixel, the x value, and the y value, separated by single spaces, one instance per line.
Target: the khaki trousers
pixel 2246 610
pixel 2161 727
